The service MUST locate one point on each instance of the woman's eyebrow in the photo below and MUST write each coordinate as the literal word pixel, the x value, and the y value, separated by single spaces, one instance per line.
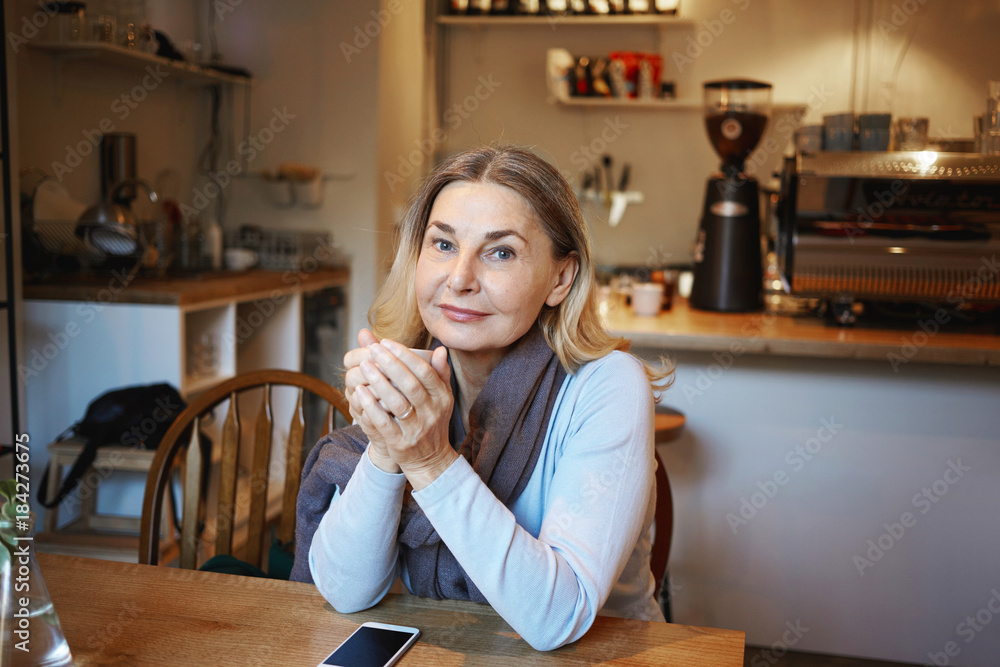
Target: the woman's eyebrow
pixel 503 233
pixel 444 227
pixel 494 235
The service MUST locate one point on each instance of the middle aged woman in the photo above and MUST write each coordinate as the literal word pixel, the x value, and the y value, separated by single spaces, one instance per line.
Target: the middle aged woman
pixel 502 449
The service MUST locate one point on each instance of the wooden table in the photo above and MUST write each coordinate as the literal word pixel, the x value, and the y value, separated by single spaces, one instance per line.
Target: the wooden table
pixel 127 614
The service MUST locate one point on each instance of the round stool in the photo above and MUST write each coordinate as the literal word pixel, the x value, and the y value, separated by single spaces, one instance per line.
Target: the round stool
pixel 667 424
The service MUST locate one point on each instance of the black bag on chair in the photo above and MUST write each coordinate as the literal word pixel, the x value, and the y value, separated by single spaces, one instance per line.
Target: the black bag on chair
pixel 137 416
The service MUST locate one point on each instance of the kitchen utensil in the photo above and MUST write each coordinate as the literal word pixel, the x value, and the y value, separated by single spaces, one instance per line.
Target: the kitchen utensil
pixel 623 184
pixel 118 165
pixel 608 181
pixel 110 227
pixel 620 200
pixel 728 271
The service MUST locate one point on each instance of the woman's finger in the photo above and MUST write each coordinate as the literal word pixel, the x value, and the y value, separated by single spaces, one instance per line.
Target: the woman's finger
pixel 390 397
pixel 409 371
pixel 380 420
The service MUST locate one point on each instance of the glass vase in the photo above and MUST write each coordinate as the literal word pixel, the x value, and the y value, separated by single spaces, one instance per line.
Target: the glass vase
pixel 30 634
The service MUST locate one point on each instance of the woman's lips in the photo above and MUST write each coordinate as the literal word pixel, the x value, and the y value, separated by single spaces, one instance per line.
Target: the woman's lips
pixel 462 314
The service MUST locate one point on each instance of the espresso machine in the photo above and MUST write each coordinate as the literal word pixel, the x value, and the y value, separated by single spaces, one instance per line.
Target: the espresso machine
pixel 727 255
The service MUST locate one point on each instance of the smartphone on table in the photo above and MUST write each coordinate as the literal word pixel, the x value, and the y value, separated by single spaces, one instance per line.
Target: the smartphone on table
pixel 373 645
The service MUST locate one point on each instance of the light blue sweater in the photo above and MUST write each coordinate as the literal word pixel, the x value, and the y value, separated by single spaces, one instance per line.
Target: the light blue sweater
pixel 575 543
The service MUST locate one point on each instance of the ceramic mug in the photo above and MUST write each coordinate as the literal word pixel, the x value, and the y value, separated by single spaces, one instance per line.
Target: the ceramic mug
pixel 240 259
pixel 647 299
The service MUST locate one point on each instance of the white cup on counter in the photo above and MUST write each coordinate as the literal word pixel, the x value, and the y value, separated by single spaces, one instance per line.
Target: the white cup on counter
pixel 647 298
pixel 240 259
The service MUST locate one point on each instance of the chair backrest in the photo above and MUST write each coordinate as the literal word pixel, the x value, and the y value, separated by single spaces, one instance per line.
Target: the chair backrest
pixel 664 517
pixel 667 426
pixel 189 452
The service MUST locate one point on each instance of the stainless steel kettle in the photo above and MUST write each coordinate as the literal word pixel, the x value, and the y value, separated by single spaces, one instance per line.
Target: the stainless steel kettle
pixel 110 227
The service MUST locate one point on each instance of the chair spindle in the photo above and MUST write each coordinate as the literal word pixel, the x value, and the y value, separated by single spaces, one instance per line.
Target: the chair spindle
pixel 258 480
pixel 192 491
pixel 226 517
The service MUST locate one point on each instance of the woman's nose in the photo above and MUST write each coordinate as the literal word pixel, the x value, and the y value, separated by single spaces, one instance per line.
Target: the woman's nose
pixel 462 276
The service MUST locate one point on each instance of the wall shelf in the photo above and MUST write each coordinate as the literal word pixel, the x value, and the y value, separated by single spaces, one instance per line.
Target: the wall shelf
pixel 119 56
pixel 620 103
pixel 553 21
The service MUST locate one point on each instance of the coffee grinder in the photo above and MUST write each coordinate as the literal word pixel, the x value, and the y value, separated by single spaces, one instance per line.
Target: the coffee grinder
pixel 727 255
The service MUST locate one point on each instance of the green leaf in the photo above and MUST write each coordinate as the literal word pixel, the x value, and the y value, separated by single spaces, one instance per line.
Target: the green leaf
pixel 8 489
pixel 5 561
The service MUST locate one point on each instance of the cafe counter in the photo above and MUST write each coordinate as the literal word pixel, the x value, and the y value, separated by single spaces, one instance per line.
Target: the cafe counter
pixel 835 479
pixel 924 341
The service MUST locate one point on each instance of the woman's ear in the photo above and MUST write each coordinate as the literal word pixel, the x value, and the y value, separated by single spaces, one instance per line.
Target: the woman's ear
pixel 564 280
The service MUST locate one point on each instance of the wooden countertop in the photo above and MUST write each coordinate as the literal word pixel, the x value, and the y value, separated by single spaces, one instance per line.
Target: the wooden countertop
pixel 684 328
pixel 127 614
pixel 196 290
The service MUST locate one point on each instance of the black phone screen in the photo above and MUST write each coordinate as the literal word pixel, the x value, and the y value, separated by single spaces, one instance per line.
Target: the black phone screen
pixel 368 647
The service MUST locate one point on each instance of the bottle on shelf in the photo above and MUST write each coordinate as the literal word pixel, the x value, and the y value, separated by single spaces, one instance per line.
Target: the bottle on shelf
pixel 212 247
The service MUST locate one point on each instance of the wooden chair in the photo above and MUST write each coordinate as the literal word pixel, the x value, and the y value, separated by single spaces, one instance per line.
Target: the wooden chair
pixel 668 425
pixel 172 448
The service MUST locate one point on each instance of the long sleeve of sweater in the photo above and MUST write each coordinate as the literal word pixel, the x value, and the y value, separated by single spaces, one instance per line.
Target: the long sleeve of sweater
pixel 354 557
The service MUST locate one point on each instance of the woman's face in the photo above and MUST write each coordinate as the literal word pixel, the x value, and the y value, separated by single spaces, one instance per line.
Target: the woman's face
pixel 485 269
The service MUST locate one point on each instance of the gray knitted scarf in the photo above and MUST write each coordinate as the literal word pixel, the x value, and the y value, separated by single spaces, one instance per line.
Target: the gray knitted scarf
pixel 507 425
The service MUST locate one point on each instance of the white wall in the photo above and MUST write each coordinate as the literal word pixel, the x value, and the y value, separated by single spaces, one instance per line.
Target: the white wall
pixel 803 47
pixel 296 52
pixel 792 555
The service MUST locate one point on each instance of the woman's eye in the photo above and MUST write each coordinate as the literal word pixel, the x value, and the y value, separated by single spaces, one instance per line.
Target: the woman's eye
pixel 503 253
pixel 442 245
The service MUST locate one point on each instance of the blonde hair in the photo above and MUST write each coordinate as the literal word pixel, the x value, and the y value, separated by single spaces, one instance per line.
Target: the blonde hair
pixel 573 329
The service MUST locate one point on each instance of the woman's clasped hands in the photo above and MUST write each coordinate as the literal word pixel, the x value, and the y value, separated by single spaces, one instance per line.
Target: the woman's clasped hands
pixel 402 400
